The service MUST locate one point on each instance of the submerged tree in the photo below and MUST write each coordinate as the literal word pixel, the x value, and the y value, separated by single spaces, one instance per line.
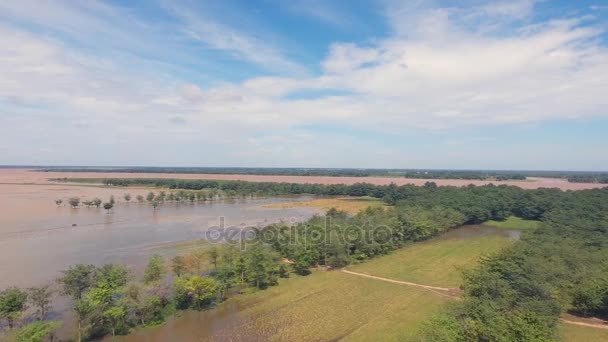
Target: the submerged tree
pixel 140 198
pixel 58 201
pixel 150 196
pixel 127 197
pixel 40 299
pixel 77 279
pixel 74 202
pixel 108 206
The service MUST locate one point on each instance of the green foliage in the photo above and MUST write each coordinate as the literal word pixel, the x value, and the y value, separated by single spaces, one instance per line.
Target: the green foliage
pixel 155 269
pixel 12 303
pixel 178 265
pixel 194 292
pixel 77 279
pixel 37 331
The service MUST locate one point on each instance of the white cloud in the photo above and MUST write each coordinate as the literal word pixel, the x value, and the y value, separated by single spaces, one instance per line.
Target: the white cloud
pixel 440 76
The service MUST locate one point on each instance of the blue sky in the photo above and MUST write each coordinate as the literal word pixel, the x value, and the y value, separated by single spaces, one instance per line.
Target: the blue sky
pixel 517 84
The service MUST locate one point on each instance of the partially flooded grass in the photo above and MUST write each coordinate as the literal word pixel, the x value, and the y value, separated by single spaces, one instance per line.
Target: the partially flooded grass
pixel 349 204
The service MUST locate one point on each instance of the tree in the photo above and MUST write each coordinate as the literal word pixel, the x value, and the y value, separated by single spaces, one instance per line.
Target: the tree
pixel 140 198
pixel 112 200
pixel 178 265
pixel 12 303
pixel 150 196
pixel 108 206
pixel 155 204
pixel 58 201
pixel 97 202
pixel 83 308
pixel 116 316
pixel 127 197
pixel 38 332
pixel 213 256
pixel 155 269
pixel 194 292
pixel 40 298
pixel 74 202
pixel 77 279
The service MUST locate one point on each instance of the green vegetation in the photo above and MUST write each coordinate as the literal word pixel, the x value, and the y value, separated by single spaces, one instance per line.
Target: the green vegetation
pixel 519 293
pixel 514 222
pixel 575 333
pixel 437 262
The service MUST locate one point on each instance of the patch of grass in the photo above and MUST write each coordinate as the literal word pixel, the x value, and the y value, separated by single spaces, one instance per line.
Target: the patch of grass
pixel 575 333
pixel 333 305
pixel 437 262
pixel 514 223
pixel 349 204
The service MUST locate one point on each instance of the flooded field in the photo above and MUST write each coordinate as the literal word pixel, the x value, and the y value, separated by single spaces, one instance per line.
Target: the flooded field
pixel 39 238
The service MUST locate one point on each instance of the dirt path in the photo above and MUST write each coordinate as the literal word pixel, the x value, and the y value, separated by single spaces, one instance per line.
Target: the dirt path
pixel 428 287
pixel 453 293
pixel 583 324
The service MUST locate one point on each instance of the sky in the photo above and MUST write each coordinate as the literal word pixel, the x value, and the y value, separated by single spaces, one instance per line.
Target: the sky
pixel 505 84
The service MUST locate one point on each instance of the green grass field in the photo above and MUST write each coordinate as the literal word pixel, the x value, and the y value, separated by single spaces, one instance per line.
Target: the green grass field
pixel 573 333
pixel 514 223
pixel 436 262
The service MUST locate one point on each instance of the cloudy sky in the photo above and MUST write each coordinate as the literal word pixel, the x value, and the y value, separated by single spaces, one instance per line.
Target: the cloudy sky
pixel 515 84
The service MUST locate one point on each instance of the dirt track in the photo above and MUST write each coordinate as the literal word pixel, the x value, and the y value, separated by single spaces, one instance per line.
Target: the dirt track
pixel 453 293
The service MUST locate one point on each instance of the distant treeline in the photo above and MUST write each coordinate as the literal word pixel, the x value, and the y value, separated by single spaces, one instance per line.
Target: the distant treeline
pixel 406 173
pixel 589 178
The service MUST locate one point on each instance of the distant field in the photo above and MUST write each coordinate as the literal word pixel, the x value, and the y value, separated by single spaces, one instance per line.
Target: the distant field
pixel 514 223
pixel 351 205
pixel 437 262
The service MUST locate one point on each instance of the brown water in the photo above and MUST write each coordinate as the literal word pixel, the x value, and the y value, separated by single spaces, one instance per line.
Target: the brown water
pixel 39 239
pixel 228 323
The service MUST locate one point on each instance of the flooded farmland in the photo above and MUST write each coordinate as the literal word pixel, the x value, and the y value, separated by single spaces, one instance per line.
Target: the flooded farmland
pixel 38 238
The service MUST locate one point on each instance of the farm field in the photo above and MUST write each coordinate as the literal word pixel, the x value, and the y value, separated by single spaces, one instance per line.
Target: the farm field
pixel 437 262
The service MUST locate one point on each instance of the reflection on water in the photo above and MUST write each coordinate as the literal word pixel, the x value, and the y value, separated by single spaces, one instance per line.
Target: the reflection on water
pixel 34 250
